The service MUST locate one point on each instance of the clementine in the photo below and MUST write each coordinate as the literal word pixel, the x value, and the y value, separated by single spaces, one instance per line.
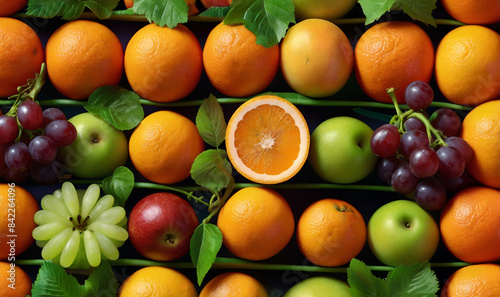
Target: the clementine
pixel 14 281
pixel 234 284
pixel 480 280
pixel 9 7
pixel 473 12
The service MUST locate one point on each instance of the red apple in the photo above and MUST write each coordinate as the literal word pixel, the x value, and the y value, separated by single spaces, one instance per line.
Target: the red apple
pixel 160 226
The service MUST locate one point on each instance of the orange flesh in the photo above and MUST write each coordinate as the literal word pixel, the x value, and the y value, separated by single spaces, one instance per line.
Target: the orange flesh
pixel 267 140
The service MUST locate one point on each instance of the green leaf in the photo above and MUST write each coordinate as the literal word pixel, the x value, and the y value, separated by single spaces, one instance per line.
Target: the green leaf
pixel 70 9
pixel 119 185
pixel 103 9
pixel 210 122
pixel 362 282
pixel 163 13
pixel 215 11
pixel 374 9
pixel 204 246
pixel 212 170
pixel 267 19
pixel 416 280
pixel 116 105
pixel 52 280
pixel 418 10
pixel 102 281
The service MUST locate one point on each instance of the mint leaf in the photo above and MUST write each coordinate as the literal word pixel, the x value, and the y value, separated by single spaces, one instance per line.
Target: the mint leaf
pixel 70 9
pixel 163 13
pixel 416 280
pixel 117 106
pixel 103 9
pixel 215 11
pixel 362 281
pixel 374 9
pixel 119 185
pixel 267 19
pixel 52 280
pixel 418 10
pixel 101 282
pixel 210 122
pixel 212 170
pixel 204 246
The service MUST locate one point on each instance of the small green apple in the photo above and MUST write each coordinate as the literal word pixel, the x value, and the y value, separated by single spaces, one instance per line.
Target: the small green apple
pixel 323 9
pixel 319 286
pixel 402 233
pixel 97 150
pixel 340 150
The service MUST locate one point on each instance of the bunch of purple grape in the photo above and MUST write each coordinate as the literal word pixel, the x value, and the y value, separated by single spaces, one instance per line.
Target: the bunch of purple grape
pixel 29 141
pixel 422 156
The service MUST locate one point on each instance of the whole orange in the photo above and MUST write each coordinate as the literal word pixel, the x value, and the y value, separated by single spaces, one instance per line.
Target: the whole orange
pixel 157 281
pixel 235 64
pixel 21 55
pixel 14 281
pixel 316 58
pixel 82 56
pixel 9 7
pixel 473 12
pixel 479 280
pixel 164 145
pixel 256 223
pixel 467 60
pixel 469 225
pixel 331 232
pixel 234 284
pixel 17 208
pixel 163 64
pixel 191 5
pixel 392 55
pixel 481 129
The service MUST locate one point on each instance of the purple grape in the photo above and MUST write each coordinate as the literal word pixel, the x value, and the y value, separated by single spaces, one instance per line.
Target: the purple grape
pixel 460 144
pixel 52 114
pixel 424 162
pixel 61 132
pixel 17 157
pixel 414 124
pixel 386 167
pixel 46 174
pixel 458 183
pixel 385 140
pixel 419 95
pixel 3 149
pixel 412 140
pixel 30 115
pixel 8 129
pixel 430 194
pixel 447 121
pixel 451 162
pixel 403 180
pixel 42 149
pixel 15 177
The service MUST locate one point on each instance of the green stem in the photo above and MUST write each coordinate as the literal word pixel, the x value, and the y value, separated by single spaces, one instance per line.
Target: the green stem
pixel 428 127
pixel 222 200
pixel 184 191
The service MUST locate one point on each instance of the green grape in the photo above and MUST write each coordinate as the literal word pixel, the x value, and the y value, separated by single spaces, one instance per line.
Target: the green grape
pixel 70 199
pixel 114 215
pixel 105 203
pixel 55 245
pixel 117 243
pixel 89 199
pixel 81 257
pixel 91 248
pixel 57 193
pixel 70 250
pixel 47 216
pixel 47 231
pixel 123 222
pixel 50 202
pixel 41 243
pixel 108 249
pixel 80 193
pixel 109 230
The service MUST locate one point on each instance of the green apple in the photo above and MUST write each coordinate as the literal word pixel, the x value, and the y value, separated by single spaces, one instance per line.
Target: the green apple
pixel 97 150
pixel 340 150
pixel 319 286
pixel 323 9
pixel 402 233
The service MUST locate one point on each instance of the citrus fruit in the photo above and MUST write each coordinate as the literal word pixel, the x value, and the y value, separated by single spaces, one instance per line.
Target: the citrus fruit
pixel 17 207
pixel 479 280
pixel 331 232
pixel 82 56
pixel 323 9
pixel 267 139
pixel 481 129
pixel 473 12
pixel 8 7
pixel 467 60
pixel 469 224
pixel 21 55
pixel 163 64
pixel 234 284
pixel 164 145
pixel 392 54
pixel 14 281
pixel 157 281
pixel 316 58
pixel 191 6
pixel 235 64
pixel 256 223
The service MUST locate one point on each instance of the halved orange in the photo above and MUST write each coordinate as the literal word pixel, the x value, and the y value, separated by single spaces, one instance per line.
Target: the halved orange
pixel 267 139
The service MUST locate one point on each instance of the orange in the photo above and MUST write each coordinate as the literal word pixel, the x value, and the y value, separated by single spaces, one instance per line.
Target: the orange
pixel 467 63
pixel 21 55
pixel 164 145
pixel 9 7
pixel 331 232
pixel 392 54
pixel 191 5
pixel 469 225
pixel 235 64
pixel 82 56
pixel 473 12
pixel 17 207
pixel 256 223
pixel 316 58
pixel 163 64
pixel 267 139
pixel 324 9
pixel 234 284
pixel 480 280
pixel 481 129
pixel 158 282
pixel 14 281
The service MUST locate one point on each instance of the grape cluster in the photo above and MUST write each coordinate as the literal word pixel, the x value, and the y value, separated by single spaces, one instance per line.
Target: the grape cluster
pixel 77 228
pixel 422 155
pixel 29 141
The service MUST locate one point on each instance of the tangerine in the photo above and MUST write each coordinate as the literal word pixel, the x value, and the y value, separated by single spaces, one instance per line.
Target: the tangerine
pixel 9 7
pixel 234 284
pixel 479 280
pixel 473 12
pixel 14 281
